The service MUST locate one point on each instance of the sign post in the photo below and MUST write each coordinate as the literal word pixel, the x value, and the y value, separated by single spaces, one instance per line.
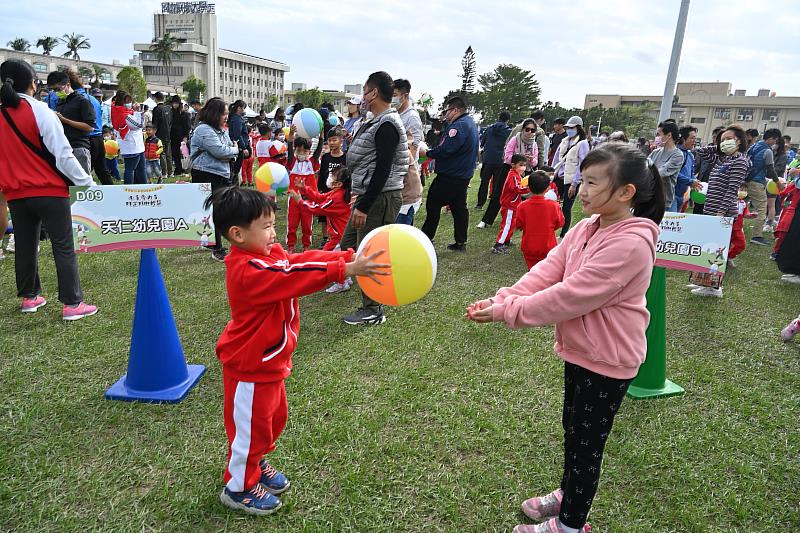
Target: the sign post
pixel 696 243
pixel 146 217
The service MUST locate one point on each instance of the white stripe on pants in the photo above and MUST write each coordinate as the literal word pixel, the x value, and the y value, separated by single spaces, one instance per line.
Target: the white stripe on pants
pixel 240 448
pixel 506 226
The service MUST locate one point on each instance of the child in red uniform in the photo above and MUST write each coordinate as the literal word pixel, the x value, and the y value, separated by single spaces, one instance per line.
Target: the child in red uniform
pixel 792 193
pixel 334 205
pixel 263 144
pixel 510 198
pixel 304 167
pixel 738 241
pixel 264 285
pixel 538 218
pixel 247 162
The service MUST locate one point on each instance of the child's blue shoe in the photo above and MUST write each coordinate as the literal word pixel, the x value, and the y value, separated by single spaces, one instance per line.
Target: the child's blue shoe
pixel 275 481
pixel 258 500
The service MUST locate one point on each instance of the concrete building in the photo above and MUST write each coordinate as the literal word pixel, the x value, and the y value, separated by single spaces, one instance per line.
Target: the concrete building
pixel 337 98
pixel 43 65
pixel 708 105
pixel 226 73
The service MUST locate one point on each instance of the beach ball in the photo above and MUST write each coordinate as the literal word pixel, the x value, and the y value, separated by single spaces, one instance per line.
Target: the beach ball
pixel 413 264
pixel 524 181
pixel 308 123
pixel 772 187
pixel 280 147
pixel 333 120
pixel 285 130
pixel 272 178
pixel 697 197
pixel 112 148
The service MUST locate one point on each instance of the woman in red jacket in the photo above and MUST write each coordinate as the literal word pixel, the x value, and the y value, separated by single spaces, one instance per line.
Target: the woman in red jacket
pixel 36 169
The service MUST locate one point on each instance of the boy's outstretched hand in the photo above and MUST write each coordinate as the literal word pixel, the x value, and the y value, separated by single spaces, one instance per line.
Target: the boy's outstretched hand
pixel 364 264
pixel 480 312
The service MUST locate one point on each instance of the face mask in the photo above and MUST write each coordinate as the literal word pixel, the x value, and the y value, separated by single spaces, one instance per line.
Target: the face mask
pixel 659 141
pixel 741 195
pixel 330 182
pixel 395 102
pixel 302 158
pixel 129 106
pixel 281 138
pixel 774 148
pixel 106 137
pixel 61 96
pixel 572 132
pixel 603 138
pixel 728 147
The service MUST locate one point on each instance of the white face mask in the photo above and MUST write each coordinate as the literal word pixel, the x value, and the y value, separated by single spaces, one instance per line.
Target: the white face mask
pixel 728 146
pixel 396 102
pixel 281 138
pixel 330 182
pixel 302 157
pixel 129 106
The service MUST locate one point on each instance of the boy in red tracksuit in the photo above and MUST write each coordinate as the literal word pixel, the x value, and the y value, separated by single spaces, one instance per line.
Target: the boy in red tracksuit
pixel 303 168
pixel 738 240
pixel 510 198
pixel 334 205
pixel 538 217
pixel 792 193
pixel 247 162
pixel 263 143
pixel 264 284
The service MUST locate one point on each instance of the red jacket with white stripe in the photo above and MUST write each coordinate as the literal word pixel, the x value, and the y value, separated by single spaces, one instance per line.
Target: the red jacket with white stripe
pixel 23 173
pixel 263 292
pixel 513 190
pixel 332 206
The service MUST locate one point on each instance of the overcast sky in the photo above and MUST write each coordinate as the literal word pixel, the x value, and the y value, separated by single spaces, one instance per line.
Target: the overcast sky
pixel 573 48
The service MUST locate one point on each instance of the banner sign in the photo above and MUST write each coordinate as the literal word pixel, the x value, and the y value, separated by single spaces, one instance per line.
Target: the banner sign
pixel 129 217
pixel 697 243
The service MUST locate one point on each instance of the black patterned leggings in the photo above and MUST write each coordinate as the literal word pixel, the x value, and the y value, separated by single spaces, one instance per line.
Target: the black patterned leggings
pixel 590 403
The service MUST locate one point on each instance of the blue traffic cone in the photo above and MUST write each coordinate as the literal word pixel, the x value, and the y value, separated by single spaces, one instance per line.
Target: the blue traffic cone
pixel 157 370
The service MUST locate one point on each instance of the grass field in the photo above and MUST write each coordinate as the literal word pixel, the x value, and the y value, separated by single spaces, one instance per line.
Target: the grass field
pixel 426 423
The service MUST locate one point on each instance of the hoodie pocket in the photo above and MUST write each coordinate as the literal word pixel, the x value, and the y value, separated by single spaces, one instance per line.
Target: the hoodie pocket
pixel 575 337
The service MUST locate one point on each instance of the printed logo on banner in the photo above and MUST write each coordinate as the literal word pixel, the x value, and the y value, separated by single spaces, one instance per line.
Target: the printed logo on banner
pixel 696 243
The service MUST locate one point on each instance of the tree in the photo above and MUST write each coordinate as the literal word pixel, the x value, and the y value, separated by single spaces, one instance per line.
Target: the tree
pixel 98 72
pixel 131 81
pixel 85 73
pixel 313 98
pixel 75 43
pixel 468 75
pixel 507 88
pixel 47 44
pixel 19 44
pixel 270 102
pixel 164 49
pixel 194 88
pixel 635 121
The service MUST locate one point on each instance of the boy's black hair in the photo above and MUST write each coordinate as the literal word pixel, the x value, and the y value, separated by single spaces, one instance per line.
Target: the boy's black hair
pixel 545 168
pixel 752 132
pixel 263 129
pixel 57 77
pixel 538 182
pixel 237 206
pixel 108 129
pixel 402 86
pixel 302 142
pixel 149 125
pixel 518 158
pixel 336 131
pixel 559 120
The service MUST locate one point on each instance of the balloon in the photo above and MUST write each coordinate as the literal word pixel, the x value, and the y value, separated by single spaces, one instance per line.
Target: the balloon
pixel 308 123
pixel 271 178
pixel 333 120
pixel 413 264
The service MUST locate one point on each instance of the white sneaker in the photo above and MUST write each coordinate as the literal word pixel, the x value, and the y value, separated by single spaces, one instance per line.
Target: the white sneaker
pixel 766 229
pixel 693 286
pixel 10 246
pixel 708 291
pixel 481 225
pixel 340 287
pixel 790 278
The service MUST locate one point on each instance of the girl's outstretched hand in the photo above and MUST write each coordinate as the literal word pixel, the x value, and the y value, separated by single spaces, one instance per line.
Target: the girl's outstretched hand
pixel 480 312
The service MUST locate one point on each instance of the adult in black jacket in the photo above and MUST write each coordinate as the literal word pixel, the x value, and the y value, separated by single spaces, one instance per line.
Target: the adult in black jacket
pixel 162 120
pixel 179 132
pixel 493 169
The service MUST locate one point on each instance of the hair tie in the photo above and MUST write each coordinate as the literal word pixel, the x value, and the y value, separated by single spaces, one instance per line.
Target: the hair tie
pixel 9 80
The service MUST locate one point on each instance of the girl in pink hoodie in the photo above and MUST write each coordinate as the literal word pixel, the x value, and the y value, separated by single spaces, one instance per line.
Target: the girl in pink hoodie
pixel 592 287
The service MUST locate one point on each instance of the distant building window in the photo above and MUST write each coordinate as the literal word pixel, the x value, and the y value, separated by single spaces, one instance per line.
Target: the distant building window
pixel 105 77
pixel 793 123
pixel 745 114
pixel 698 120
pixel 722 112
pixel 62 67
pixel 40 67
pixel 162 71
pixel 771 115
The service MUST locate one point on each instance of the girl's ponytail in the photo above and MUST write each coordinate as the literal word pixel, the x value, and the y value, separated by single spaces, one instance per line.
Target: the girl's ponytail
pixel 17 77
pixel 650 205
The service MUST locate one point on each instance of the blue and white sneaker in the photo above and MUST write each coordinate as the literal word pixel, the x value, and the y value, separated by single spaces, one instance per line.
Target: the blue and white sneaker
pixel 257 501
pixel 275 481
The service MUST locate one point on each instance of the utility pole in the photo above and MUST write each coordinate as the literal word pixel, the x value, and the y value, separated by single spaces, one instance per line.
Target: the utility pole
pixel 672 73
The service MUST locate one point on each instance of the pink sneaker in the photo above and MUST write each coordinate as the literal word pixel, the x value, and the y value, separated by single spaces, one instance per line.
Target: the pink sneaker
pixel 543 507
pixel 31 305
pixel 79 311
pixel 787 333
pixel 551 526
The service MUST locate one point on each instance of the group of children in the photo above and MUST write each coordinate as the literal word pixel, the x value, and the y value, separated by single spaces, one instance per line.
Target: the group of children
pixel 153 148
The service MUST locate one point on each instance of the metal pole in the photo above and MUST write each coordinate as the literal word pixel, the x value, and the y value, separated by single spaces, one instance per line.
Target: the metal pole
pixel 672 73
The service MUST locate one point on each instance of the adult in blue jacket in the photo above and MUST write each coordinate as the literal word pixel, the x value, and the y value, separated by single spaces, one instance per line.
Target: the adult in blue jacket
pixel 763 168
pixel 456 158
pixel 493 169
pixel 237 130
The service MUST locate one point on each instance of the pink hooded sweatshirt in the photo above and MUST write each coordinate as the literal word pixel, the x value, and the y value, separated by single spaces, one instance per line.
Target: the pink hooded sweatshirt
pixel 592 287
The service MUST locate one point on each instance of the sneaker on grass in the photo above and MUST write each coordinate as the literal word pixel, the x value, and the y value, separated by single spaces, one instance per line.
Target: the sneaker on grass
pixel 340 287
pixel 275 480
pixel 543 507
pixel 791 330
pixel 218 254
pixel 257 501
pixel 500 249
pixel 708 291
pixel 551 526
pixel 76 312
pixel 790 278
pixel 31 305
pixel 365 317
pixel 481 225
pixel 456 247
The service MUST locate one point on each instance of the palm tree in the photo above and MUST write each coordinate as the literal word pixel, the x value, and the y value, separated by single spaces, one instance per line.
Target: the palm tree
pixel 75 43
pixel 19 44
pixel 164 49
pixel 47 44
pixel 85 73
pixel 98 73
